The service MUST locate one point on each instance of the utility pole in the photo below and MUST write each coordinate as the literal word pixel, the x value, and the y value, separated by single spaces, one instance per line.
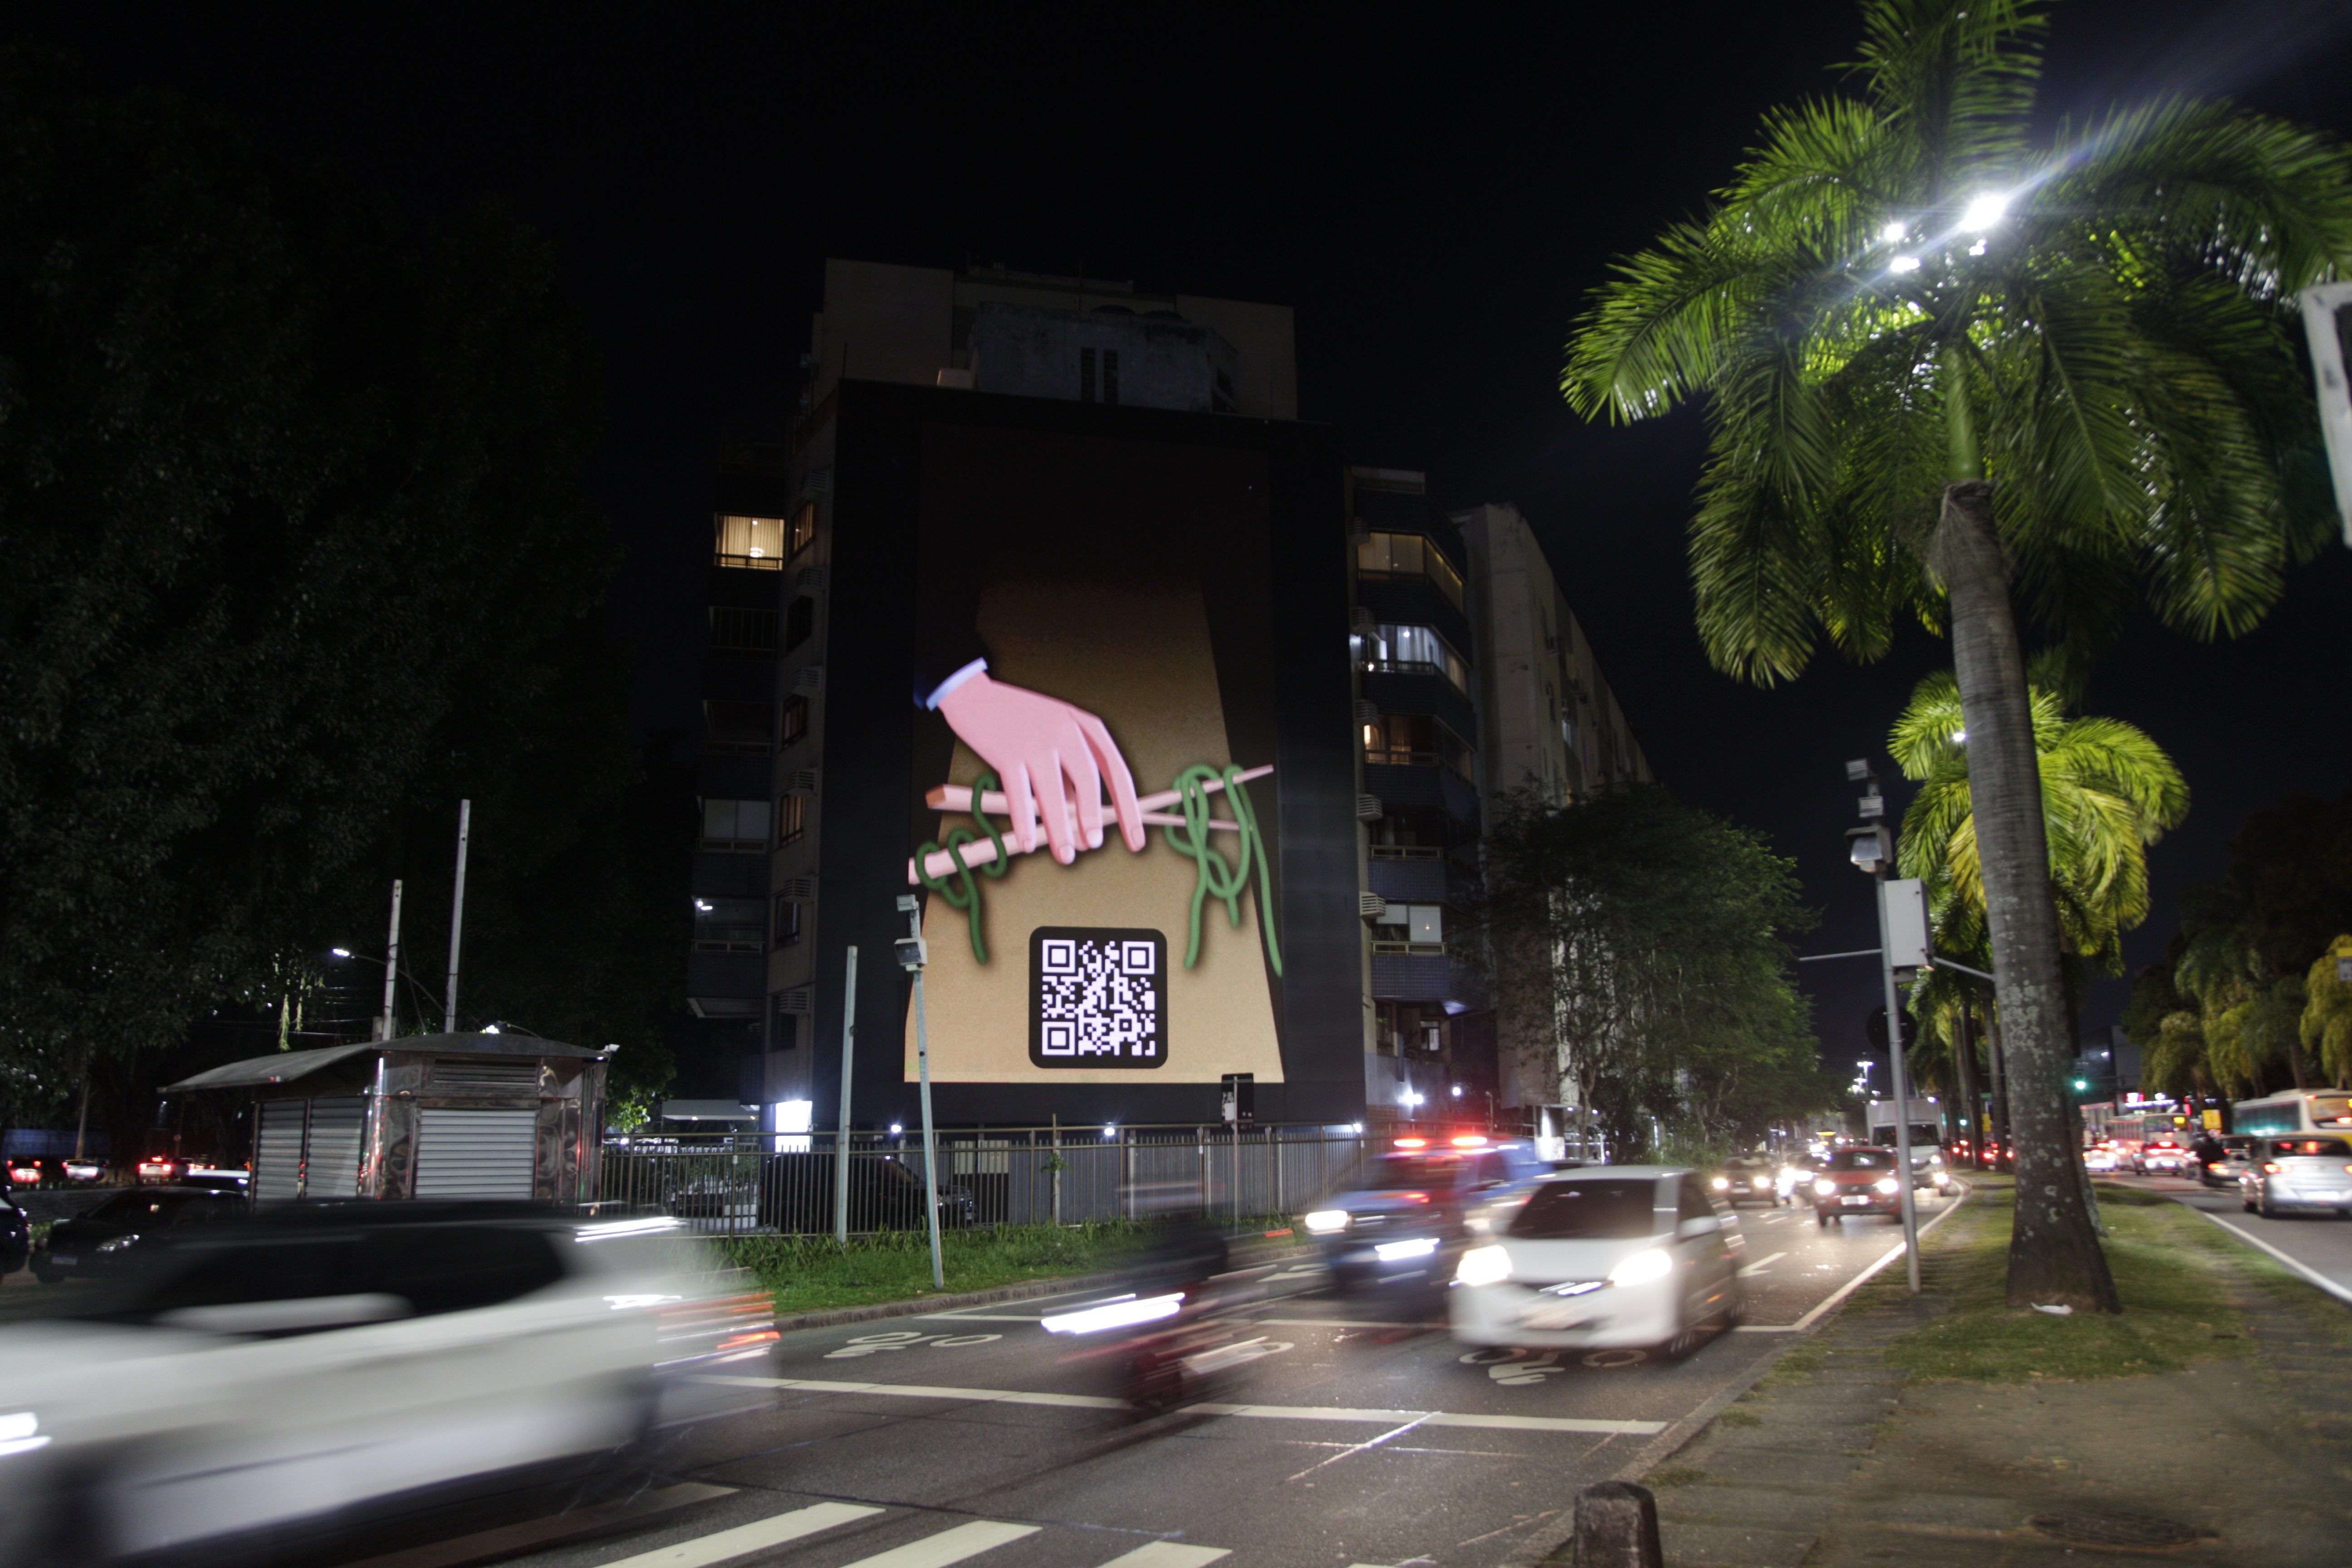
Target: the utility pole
pixel 841 1126
pixel 457 916
pixel 391 965
pixel 1871 847
pixel 911 958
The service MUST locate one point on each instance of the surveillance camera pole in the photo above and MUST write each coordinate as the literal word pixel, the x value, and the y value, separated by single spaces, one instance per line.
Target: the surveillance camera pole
pixel 1873 815
pixel 911 957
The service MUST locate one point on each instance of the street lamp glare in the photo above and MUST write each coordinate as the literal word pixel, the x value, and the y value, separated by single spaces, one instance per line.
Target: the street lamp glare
pixel 1904 263
pixel 340 951
pixel 1894 232
pixel 1986 210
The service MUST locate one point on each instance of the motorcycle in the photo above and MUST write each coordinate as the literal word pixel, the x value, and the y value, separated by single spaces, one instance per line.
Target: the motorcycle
pixel 1171 1348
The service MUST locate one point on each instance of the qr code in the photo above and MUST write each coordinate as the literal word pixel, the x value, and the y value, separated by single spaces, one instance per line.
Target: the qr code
pixel 1098 998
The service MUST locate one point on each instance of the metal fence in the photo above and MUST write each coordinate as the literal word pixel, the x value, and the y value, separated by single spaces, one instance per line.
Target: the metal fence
pixel 786 1183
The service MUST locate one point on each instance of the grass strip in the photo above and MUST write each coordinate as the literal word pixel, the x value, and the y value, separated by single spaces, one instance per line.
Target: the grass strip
pixel 2173 1279
pixel 811 1273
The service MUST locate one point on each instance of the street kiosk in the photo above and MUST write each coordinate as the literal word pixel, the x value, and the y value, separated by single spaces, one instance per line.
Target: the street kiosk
pixel 426 1116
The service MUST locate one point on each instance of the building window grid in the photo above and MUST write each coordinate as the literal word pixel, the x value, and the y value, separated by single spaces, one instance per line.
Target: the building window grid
pixel 727 925
pixel 792 818
pixel 803 531
pixel 748 544
pixel 1415 650
pixel 735 826
pixel 786 926
pixel 1392 557
pixel 794 722
pixel 736 629
pixel 1417 739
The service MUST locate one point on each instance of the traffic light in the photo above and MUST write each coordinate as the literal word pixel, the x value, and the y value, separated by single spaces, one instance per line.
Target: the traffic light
pixel 2081 1084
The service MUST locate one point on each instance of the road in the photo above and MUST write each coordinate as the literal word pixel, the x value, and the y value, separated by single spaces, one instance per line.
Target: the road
pixel 1362 1439
pixel 2318 1247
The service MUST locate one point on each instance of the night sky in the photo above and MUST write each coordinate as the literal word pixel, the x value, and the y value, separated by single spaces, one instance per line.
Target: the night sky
pixel 1434 192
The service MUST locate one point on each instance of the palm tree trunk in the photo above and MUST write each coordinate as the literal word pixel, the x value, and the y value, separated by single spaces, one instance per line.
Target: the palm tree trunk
pixel 2054 1252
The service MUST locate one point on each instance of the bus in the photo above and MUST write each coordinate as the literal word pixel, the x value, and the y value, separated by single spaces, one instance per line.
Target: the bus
pixel 2303 1111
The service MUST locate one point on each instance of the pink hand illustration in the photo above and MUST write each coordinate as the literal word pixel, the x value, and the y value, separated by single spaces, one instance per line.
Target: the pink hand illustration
pixel 1035 743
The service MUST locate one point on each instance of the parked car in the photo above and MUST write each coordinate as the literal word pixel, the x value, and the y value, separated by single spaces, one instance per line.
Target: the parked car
pixel 25 1171
pixel 103 1240
pixel 1746 1179
pixel 1858 1181
pixel 796 1194
pixel 254 1380
pixel 1615 1257
pixel 1414 1206
pixel 2232 1158
pixel 16 1234
pixel 2299 1173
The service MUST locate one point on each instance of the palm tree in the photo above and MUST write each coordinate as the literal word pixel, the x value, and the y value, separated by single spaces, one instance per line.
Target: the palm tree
pixel 2108 792
pixel 1947 364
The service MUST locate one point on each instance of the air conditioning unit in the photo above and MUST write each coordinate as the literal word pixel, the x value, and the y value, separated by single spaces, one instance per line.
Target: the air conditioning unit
pixel 809 678
pixel 820 483
pixel 800 889
pixel 1371 906
pixel 801 781
pixel 1359 620
pixel 1368 808
pixel 811 578
pixel 799 999
pixel 1358 531
pixel 1367 713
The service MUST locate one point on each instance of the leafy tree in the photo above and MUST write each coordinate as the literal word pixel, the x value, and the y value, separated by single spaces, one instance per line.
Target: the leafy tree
pixel 2326 1022
pixel 1947 366
pixel 298 554
pixel 1638 943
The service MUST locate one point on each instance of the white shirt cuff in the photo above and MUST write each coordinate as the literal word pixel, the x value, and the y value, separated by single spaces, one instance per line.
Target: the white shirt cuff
pixel 939 693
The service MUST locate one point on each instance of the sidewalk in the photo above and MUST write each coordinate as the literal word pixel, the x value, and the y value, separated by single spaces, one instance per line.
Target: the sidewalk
pixel 1840 1459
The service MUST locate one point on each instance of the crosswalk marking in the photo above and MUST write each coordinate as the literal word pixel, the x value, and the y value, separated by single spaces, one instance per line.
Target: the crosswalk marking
pixel 1169 1554
pixel 724 1545
pixel 949 1545
pixel 1267 1412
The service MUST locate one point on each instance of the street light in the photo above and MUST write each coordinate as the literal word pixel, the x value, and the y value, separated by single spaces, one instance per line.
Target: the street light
pixel 1871 847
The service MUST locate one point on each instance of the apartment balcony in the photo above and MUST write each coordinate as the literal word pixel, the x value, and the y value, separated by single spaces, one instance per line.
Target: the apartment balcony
pixel 1413 600
pixel 1408 874
pixel 1413 778
pixel 727 975
pixel 1408 688
pixel 1420 971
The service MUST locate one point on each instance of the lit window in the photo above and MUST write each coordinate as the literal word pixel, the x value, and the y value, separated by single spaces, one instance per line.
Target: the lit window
pixel 735 826
pixel 727 925
pixel 753 542
pixel 1386 556
pixel 804 528
pixel 1417 651
pixel 1417 739
pixel 796 720
pixel 792 818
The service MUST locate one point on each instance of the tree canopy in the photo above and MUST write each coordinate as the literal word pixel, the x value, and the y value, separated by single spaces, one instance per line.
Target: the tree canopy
pixel 1640 950
pixel 298 553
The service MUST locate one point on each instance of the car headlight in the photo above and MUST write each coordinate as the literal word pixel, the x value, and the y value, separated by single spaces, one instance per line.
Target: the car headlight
pixel 1887 1185
pixel 1323 1222
pixel 1721 1183
pixel 120 1243
pixel 1482 1266
pixel 1826 1188
pixel 20 1433
pixel 1760 1182
pixel 1643 1268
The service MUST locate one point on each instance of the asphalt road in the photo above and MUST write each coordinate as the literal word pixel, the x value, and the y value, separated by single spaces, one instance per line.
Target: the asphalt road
pixel 1364 1437
pixel 2318 1247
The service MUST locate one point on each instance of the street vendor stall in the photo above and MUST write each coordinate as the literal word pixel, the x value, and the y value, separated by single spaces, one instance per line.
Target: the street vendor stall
pixel 426 1116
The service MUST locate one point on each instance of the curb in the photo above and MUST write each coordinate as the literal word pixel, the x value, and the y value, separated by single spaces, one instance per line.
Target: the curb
pixel 915 1306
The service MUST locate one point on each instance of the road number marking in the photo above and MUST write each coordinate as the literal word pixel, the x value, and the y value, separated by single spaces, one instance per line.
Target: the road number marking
pixel 904 1340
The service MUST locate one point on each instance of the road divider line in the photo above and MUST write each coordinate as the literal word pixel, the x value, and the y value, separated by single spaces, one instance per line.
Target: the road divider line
pixel 949 1545
pixel 725 1545
pixel 1761 1264
pixel 1257 1412
pixel 2243 1234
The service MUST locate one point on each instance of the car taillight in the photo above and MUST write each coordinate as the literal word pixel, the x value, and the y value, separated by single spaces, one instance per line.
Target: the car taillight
pixel 2270 1167
pixel 721 1326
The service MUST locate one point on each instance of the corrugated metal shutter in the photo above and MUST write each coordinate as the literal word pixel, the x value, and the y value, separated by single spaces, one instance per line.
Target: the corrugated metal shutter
pixel 278 1151
pixel 475 1154
pixel 333 1168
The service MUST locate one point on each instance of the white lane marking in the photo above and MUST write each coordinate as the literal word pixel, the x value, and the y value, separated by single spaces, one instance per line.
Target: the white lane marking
pixel 1761 1264
pixel 1849 1288
pixel 1169 1554
pixel 1270 1322
pixel 949 1545
pixel 724 1545
pixel 490 1543
pixel 2325 1283
pixel 986 1317
pixel 1266 1412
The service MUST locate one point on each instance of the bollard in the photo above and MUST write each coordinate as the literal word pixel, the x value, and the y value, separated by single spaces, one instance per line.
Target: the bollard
pixel 1617 1527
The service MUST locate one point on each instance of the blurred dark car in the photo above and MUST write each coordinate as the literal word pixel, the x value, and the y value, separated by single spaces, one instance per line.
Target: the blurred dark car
pixel 1414 1205
pixel 103 1240
pixel 16 1234
pixel 796 1194
pixel 1746 1179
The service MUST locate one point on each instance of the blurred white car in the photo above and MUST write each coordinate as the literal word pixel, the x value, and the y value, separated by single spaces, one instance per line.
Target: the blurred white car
pixel 322 1358
pixel 1616 1256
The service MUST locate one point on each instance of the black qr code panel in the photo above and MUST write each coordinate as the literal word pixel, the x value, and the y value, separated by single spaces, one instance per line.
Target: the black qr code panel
pixel 1098 998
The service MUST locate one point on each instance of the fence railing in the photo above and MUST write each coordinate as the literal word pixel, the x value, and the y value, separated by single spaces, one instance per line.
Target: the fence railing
pixel 786 1183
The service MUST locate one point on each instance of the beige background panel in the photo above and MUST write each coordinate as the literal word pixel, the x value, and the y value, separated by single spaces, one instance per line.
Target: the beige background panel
pixel 1140 658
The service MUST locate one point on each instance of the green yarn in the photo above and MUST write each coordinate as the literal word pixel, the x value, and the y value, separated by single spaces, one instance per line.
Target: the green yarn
pixel 964 894
pixel 1218 877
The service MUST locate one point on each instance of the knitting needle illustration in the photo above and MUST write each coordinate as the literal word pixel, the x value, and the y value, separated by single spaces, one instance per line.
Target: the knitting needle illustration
pixel 958 797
